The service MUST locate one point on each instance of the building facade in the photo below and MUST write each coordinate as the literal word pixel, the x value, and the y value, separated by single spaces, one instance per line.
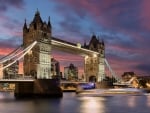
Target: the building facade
pixel 37 63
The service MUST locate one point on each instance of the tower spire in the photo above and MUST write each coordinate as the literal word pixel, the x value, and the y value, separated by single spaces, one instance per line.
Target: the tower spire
pixel 37 12
pixel 37 18
pixel 85 43
pixel 103 42
pixel 49 23
pixel 25 25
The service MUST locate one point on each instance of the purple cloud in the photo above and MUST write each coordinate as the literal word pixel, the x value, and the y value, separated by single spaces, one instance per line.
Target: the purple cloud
pixel 5 4
pixel 124 26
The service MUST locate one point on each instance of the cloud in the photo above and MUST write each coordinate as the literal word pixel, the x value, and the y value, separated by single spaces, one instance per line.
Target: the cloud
pixel 8 45
pixel 145 15
pixel 10 29
pixel 11 42
pixel 6 4
pixel 112 16
pixel 10 32
pixel 143 68
pixel 107 12
pixel 123 24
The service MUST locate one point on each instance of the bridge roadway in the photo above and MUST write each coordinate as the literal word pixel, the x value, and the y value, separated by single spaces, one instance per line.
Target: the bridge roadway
pixel 16 80
pixel 32 80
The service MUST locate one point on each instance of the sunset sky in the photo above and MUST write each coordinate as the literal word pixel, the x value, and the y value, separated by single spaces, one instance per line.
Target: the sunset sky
pixel 124 25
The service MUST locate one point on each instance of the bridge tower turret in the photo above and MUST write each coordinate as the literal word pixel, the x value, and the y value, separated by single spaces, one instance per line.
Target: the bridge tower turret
pixel 37 63
pixel 94 65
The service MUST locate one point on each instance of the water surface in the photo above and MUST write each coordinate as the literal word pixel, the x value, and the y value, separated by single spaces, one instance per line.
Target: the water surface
pixel 71 103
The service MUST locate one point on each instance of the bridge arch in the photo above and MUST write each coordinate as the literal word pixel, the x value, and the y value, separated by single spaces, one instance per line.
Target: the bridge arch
pixel 92 78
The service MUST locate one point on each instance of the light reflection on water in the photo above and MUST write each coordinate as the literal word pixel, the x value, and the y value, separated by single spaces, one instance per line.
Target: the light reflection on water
pixel 90 104
pixel 148 101
pixel 70 103
pixel 131 101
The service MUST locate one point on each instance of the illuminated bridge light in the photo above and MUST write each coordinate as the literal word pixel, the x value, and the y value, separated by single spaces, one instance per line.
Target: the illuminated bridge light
pixel 78 45
pixel 86 57
pixel 94 55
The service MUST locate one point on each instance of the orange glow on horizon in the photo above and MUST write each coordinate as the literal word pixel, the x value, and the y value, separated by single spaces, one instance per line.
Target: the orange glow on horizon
pixel 5 51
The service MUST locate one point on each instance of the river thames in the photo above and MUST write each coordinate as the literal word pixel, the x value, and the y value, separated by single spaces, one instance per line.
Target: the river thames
pixel 71 103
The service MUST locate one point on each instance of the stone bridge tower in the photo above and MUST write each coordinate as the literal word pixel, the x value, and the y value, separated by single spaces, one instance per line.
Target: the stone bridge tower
pixel 94 65
pixel 37 63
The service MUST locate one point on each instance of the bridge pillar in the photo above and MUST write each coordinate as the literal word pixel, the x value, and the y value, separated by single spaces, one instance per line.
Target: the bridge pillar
pixel 94 65
pixel 24 89
pixel 94 68
pixel 91 68
pixel 38 88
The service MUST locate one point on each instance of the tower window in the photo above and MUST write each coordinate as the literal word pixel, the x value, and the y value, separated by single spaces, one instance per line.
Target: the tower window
pixel 35 59
pixel 35 26
pixel 45 34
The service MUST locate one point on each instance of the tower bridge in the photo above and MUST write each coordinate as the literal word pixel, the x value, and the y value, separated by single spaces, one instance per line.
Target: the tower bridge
pixel 38 43
pixel 38 64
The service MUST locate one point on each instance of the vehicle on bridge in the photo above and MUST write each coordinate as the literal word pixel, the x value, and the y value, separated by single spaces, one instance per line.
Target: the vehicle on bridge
pixel 69 86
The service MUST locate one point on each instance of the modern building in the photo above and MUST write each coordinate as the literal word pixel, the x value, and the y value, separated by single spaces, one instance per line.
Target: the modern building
pixel 55 68
pixel 11 71
pixel 71 72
